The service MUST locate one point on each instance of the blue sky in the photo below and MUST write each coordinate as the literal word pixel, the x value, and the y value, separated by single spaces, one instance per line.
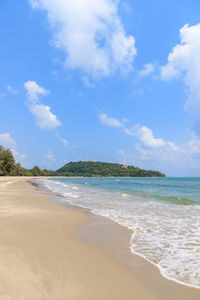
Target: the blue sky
pixel 106 80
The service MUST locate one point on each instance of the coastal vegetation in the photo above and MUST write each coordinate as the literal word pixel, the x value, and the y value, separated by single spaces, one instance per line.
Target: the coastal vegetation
pixel 7 162
pixel 8 167
pixel 102 169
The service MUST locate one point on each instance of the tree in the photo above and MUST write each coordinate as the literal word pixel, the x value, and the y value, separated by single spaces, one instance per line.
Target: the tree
pixel 36 171
pixel 7 162
pixel 18 170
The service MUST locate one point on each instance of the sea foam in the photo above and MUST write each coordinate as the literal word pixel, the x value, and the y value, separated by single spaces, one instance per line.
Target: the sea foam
pixel 164 233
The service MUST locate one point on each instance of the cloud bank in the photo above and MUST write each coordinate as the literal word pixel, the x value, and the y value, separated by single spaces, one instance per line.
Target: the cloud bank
pixel 142 133
pixel 153 152
pixel 91 35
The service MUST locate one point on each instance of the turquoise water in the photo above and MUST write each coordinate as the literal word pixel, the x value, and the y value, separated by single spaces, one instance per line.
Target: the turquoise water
pixel 162 213
pixel 177 190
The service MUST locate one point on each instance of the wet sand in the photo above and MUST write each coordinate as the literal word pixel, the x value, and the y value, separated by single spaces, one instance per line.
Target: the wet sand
pixel 115 239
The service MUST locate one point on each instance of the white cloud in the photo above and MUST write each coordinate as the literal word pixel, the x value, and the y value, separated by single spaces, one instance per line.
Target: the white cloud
pixel 174 147
pixel 109 121
pixel 142 133
pixel 145 135
pixel 91 35
pixel 179 160
pixel 34 90
pixel 151 152
pixel 45 119
pixel 184 62
pixel 186 155
pixel 147 70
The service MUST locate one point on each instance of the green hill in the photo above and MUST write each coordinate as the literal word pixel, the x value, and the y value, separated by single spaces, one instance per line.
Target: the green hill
pixel 101 169
pixel 8 167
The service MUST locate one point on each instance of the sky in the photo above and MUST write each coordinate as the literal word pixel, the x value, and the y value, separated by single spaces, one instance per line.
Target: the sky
pixel 103 80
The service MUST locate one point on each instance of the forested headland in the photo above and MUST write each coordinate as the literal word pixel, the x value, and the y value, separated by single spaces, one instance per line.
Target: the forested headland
pixel 102 169
pixel 8 167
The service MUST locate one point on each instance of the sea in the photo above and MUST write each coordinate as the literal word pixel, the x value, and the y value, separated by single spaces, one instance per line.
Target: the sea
pixel 163 215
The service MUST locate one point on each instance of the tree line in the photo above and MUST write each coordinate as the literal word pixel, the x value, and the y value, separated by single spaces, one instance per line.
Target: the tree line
pixel 8 166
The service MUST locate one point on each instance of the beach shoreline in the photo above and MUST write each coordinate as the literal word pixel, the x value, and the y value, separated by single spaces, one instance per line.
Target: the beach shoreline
pixel 49 251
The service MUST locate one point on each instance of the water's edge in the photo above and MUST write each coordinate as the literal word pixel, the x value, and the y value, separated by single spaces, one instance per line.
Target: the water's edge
pixel 88 234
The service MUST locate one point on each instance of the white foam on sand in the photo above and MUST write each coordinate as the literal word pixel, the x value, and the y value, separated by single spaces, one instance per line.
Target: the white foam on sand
pixel 165 234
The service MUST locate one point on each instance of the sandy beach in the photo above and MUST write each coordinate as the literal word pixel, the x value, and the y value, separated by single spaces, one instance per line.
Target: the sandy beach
pixel 42 257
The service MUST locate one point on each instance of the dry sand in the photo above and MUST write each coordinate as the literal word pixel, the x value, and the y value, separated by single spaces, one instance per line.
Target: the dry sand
pixel 41 257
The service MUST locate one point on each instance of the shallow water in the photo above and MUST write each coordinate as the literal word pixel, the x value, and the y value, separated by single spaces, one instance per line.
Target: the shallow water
pixel 163 214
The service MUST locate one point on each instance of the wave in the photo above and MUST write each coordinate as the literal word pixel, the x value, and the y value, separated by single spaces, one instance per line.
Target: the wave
pixel 176 200
pixel 165 233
